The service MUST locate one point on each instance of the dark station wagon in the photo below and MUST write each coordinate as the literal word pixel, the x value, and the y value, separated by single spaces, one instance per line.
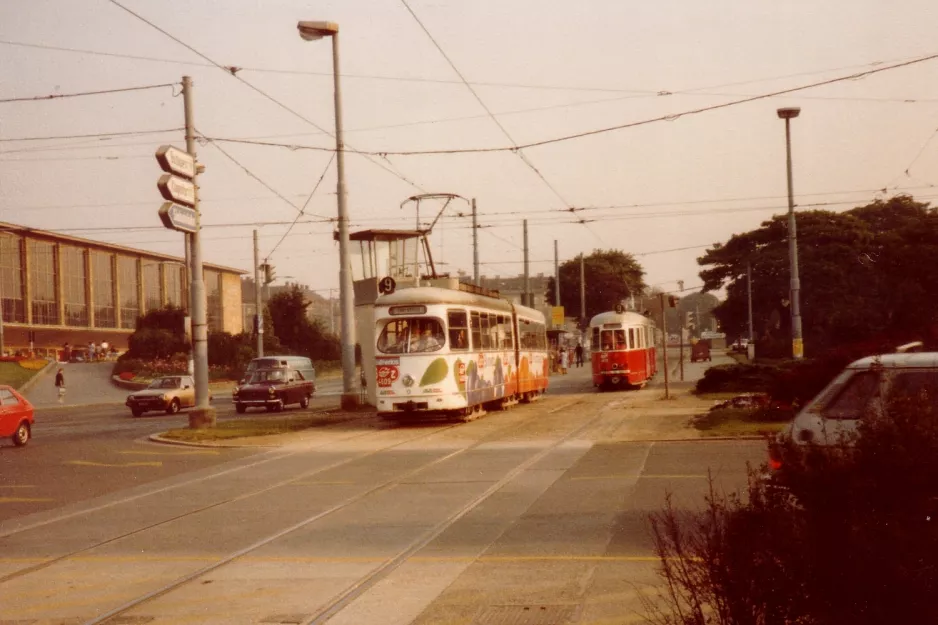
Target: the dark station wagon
pixel 273 389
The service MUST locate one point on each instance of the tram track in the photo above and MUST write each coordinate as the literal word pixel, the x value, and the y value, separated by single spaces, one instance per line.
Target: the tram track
pixel 323 613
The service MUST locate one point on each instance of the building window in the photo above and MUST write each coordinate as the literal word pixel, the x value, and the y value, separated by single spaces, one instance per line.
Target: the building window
pixel 42 280
pixel 127 278
pixel 11 279
pixel 213 300
pixel 74 285
pixel 175 278
pixel 103 272
pixel 152 299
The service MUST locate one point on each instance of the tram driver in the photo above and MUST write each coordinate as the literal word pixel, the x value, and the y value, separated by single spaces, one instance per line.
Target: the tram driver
pixel 425 338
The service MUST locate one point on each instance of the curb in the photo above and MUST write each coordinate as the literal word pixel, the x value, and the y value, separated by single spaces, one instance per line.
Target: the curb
pixel 32 381
pixel 158 438
pixel 127 384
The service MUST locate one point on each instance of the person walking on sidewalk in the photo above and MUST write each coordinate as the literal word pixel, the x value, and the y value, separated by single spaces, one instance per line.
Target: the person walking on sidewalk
pixel 578 351
pixel 564 361
pixel 60 384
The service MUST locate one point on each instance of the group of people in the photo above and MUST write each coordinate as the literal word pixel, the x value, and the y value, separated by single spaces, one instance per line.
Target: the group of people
pixel 562 358
pixel 91 353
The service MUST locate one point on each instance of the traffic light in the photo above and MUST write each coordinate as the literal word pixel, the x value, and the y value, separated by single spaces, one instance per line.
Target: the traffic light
pixel 691 320
pixel 269 274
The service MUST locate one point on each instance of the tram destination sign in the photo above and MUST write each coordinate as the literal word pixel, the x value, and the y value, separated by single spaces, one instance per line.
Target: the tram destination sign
pixel 176 189
pixel 175 161
pixel 177 217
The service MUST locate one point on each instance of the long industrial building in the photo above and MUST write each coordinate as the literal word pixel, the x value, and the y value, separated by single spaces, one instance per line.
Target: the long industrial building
pixel 56 288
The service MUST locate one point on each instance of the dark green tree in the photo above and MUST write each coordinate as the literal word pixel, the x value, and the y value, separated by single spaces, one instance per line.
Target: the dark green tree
pixel 612 276
pixel 159 334
pixel 865 274
pixel 287 312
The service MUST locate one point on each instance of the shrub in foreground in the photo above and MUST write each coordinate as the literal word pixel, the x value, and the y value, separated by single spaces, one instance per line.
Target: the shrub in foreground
pixel 852 537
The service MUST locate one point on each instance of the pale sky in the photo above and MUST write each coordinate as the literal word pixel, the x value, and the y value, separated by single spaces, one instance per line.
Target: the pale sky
pixel 544 68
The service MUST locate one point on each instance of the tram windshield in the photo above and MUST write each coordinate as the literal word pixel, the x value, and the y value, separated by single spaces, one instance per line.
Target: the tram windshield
pixel 613 340
pixel 413 335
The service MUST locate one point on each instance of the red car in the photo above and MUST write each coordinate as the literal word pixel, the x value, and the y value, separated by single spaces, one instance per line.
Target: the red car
pixel 16 416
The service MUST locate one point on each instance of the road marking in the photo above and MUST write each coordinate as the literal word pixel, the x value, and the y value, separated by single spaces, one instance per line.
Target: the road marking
pixel 17 486
pixel 320 483
pixel 88 463
pixel 24 499
pixel 605 477
pixel 677 476
pixel 201 452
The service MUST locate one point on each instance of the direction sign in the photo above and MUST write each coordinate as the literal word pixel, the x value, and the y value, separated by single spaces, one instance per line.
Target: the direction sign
pixel 177 217
pixel 175 161
pixel 176 189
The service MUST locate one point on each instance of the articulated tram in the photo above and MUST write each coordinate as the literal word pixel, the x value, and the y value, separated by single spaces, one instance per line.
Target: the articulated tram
pixel 623 349
pixel 452 352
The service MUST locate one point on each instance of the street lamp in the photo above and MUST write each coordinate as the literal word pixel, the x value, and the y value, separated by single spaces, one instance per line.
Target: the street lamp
pixel 797 345
pixel 310 31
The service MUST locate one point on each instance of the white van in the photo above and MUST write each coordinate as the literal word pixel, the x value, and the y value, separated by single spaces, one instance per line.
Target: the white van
pixel 862 389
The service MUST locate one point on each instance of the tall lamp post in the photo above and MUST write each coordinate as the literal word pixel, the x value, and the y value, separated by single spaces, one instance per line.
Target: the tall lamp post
pixel 311 31
pixel 797 344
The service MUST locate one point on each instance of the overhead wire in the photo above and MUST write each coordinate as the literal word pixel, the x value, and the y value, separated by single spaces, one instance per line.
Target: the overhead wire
pixel 98 135
pixel 233 73
pixel 303 210
pixel 57 96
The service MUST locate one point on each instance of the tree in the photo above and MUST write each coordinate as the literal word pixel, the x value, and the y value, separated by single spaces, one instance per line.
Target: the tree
pixel 864 274
pixel 159 334
pixel 291 325
pixel 612 276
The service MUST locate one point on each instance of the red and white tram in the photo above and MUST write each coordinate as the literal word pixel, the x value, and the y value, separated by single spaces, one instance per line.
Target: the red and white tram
pixel 452 352
pixel 622 349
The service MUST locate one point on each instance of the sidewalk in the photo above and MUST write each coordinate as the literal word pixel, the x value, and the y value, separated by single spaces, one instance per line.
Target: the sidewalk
pixel 85 383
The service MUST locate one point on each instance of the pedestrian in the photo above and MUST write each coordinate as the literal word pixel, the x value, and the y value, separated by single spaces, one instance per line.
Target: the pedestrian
pixel 104 350
pixel 91 351
pixel 579 354
pixel 66 352
pixel 60 384
pixel 564 361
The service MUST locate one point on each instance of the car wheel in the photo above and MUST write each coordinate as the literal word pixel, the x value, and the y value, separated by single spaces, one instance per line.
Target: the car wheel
pixel 304 402
pixel 22 434
pixel 136 412
pixel 173 407
pixel 240 408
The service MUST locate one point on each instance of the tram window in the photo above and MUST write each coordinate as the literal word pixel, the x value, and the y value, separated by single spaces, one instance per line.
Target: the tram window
pixel 458 322
pixel 619 342
pixel 426 335
pixel 632 338
pixel 393 337
pixel 508 333
pixel 476 328
pixel 486 335
pixel 595 343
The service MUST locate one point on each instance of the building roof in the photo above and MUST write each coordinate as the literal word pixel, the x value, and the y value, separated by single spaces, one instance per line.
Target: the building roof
pixel 49 234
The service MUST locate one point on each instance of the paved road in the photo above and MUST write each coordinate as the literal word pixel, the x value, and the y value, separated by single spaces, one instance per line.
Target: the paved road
pixel 539 510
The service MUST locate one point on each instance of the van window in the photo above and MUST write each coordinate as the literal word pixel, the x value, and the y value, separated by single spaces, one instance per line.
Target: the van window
pixel 854 398
pixel 914 385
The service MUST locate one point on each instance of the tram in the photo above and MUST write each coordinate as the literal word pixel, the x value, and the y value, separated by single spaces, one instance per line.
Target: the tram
pixel 623 349
pixel 456 353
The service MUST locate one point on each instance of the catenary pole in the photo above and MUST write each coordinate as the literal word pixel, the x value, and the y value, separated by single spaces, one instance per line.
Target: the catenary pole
pixel 527 288
pixel 258 303
pixel 475 245
pixel 204 415
pixel 664 345
pixel 556 275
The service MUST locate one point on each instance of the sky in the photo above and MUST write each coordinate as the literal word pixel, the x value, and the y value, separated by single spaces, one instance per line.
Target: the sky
pixel 671 180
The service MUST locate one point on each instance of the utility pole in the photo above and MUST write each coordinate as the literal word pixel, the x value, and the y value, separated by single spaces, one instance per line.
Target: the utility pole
pixel 582 290
pixel 681 319
pixel 797 343
pixel 331 313
pixel 556 275
pixel 524 298
pixel 664 345
pixel 749 295
pixel 258 302
pixel 475 245
pixel 204 415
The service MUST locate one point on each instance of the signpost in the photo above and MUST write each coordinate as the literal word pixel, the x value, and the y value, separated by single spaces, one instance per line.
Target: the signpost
pixel 175 161
pixel 176 189
pixel 177 217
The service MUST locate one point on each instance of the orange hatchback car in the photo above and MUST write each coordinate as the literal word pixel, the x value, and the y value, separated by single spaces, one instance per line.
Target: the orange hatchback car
pixel 16 416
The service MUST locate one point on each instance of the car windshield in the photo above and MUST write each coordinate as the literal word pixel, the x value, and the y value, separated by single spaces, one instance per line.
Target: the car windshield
pixel 267 375
pixel 165 383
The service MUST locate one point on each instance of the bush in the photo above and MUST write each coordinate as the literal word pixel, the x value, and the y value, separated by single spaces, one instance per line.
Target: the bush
pixel 738 378
pixel 155 343
pixel 851 538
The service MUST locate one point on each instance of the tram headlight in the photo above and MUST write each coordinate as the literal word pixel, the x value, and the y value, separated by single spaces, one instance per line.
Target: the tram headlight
pixel 408 380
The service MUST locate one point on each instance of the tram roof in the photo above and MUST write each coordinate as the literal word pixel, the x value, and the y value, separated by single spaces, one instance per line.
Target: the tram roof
pixel 628 316
pixel 430 295
pixel 385 235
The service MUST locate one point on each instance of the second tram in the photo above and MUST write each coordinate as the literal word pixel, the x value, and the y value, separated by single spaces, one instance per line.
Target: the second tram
pixel 452 352
pixel 623 349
